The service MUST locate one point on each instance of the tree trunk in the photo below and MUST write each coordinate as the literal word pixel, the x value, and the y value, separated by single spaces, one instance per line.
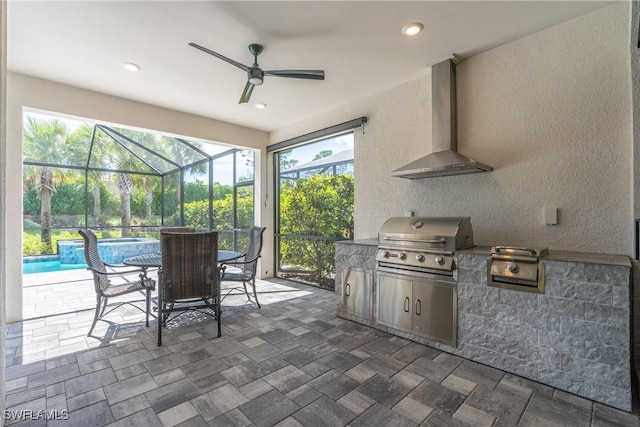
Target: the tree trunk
pixel 125 214
pixel 148 199
pixel 46 191
pixel 97 208
pixel 125 183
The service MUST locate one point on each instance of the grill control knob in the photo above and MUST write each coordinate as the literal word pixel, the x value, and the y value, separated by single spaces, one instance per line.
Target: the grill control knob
pixel 513 267
pixel 402 255
pixel 439 260
pixel 385 254
pixel 420 257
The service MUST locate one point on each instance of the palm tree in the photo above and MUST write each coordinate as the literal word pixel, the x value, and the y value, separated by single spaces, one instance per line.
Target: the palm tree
pixel 170 148
pixel 125 161
pixel 110 153
pixel 45 141
pixel 98 159
pixel 147 182
pixel 183 155
pixel 125 184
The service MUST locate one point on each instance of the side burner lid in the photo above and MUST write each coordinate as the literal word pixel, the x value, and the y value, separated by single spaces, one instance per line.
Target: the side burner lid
pixel 519 251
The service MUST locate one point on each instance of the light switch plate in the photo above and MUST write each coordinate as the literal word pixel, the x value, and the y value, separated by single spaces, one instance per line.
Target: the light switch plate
pixel 550 216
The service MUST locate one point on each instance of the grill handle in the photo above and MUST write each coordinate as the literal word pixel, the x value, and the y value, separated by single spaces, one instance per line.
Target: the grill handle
pixel 502 248
pixel 393 239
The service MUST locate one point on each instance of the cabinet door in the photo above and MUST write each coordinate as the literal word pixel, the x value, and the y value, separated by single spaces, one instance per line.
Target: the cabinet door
pixel 356 292
pixel 394 301
pixel 435 310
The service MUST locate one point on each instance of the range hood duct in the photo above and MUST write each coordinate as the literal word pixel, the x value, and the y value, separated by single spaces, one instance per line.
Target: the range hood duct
pixel 445 159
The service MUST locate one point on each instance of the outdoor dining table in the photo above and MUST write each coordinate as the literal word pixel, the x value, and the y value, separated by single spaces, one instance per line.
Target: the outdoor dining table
pixel 154 259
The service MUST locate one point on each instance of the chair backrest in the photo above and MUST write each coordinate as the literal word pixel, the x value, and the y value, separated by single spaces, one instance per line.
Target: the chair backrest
pixel 178 229
pixel 92 257
pixel 189 265
pixel 253 249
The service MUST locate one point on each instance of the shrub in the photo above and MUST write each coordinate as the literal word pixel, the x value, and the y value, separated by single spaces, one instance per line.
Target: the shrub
pixel 317 206
pixel 31 245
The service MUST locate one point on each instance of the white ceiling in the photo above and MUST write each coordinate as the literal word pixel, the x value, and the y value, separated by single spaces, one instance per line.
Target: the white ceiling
pixel 359 45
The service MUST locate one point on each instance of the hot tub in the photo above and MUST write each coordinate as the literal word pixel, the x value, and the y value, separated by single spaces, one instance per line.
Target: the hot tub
pixel 112 251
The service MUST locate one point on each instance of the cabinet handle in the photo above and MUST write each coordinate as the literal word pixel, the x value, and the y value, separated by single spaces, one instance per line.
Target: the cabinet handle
pixel 347 290
pixel 407 304
pixel 418 307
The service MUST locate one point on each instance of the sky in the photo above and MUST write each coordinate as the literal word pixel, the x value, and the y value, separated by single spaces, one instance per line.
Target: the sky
pixel 307 152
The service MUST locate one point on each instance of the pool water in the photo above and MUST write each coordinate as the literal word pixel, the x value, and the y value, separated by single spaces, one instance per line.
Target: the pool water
pixel 112 251
pixel 48 266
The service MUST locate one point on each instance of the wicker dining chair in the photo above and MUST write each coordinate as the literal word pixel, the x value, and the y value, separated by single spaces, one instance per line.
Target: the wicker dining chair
pixel 178 229
pixel 189 278
pixel 106 286
pixel 246 266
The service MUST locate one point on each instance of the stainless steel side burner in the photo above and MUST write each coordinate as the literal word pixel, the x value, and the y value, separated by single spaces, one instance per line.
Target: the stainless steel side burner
pixel 516 268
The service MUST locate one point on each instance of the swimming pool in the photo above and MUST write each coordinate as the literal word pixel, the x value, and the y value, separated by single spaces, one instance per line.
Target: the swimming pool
pixel 48 266
pixel 112 251
pixel 71 254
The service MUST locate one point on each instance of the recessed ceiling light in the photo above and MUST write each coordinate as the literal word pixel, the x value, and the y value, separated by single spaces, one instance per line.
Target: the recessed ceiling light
pixel 261 106
pixel 412 29
pixel 131 66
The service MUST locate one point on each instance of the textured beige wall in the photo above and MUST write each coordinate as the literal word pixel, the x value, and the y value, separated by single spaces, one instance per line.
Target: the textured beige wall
pixel 635 79
pixel 28 92
pixel 550 112
pixel 38 94
pixel 3 197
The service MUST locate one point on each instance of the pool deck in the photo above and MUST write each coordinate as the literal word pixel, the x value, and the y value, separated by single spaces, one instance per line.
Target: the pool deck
pixel 290 363
pixel 57 292
pixel 71 291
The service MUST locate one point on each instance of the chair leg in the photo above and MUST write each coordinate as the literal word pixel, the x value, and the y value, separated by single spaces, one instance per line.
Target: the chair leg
pixel 255 295
pixel 104 307
pixel 148 305
pixel 244 284
pixel 97 315
pixel 160 321
pixel 166 316
pixel 218 315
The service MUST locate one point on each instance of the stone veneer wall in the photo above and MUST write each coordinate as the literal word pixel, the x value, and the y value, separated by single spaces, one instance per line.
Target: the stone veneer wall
pixel 575 336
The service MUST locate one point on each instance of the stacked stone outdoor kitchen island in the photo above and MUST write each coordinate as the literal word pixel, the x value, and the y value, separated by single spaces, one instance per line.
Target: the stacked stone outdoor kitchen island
pixel 574 337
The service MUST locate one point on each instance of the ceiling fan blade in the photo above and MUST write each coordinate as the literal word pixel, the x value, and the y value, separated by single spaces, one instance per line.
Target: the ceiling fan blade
pixel 217 55
pixel 297 74
pixel 246 93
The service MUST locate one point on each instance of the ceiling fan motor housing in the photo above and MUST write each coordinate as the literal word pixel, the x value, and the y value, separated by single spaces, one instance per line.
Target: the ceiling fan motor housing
pixel 255 76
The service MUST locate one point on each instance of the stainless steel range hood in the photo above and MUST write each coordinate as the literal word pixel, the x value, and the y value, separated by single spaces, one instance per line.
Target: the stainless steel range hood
pixel 445 159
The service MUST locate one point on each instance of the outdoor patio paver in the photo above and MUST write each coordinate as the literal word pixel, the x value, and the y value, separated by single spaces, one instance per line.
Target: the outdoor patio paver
pixel 290 363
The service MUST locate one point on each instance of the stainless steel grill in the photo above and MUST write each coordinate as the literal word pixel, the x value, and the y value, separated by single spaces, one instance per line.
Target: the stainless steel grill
pixel 415 271
pixel 423 244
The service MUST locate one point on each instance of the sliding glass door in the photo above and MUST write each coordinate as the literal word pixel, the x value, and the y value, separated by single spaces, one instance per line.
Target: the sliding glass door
pixel 314 207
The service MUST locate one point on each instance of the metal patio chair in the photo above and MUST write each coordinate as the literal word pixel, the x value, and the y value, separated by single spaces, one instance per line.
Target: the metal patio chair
pixel 189 278
pixel 246 266
pixel 106 286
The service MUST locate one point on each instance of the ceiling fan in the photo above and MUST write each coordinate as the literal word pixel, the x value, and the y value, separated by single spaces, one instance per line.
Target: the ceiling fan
pixel 255 74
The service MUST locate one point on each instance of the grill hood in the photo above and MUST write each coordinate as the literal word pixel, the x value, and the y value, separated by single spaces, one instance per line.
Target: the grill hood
pixel 445 159
pixel 441 233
